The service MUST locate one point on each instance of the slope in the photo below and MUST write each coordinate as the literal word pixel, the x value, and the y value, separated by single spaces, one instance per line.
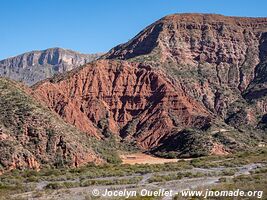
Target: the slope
pixel 31 136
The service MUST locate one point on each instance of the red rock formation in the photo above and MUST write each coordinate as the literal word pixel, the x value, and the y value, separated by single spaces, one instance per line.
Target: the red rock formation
pixel 197 87
pixel 136 101
pixel 213 56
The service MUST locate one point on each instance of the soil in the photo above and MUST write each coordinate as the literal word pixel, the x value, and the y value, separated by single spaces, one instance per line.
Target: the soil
pixel 142 158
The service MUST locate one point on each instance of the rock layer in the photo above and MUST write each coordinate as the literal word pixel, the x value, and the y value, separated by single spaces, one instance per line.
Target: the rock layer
pixel 126 99
pixel 215 58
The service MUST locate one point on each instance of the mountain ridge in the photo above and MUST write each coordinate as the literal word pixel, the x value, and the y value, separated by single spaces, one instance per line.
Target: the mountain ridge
pixel 214 54
pixel 33 66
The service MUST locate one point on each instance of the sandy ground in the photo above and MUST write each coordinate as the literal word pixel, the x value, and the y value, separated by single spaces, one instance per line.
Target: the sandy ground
pixel 141 158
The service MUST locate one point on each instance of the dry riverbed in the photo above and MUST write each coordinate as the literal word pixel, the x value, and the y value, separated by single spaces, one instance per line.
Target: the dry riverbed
pixel 207 177
pixel 139 171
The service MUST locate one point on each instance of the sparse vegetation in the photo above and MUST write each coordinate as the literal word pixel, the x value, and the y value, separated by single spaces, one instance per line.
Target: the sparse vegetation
pixel 17 181
pixel 175 176
pixel 124 181
pixel 254 182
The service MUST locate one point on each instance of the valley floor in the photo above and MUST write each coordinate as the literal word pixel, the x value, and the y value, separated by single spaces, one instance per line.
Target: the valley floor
pixel 244 171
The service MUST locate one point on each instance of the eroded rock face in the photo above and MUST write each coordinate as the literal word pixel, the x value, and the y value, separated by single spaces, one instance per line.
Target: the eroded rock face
pixel 183 71
pixel 35 66
pixel 256 92
pixel 213 56
pixel 127 99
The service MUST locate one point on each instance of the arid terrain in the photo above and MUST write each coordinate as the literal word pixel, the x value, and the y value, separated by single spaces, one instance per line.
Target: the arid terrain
pixel 243 171
pixel 181 105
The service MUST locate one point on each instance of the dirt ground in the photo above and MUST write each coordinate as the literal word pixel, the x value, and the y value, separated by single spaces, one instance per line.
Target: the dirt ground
pixel 141 158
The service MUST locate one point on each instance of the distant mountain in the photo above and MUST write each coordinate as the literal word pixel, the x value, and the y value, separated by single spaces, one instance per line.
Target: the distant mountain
pixel 34 66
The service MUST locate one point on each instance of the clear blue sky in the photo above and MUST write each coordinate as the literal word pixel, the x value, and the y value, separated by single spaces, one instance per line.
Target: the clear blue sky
pixel 92 26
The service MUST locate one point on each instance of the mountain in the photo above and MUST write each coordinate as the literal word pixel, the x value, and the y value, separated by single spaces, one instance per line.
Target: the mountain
pixel 129 100
pixel 33 137
pixel 34 66
pixel 186 87
pixel 216 58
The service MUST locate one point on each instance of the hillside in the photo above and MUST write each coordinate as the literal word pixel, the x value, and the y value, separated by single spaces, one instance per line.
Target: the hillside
pixel 140 105
pixel 32 136
pixel 121 98
pixel 220 61
pixel 35 66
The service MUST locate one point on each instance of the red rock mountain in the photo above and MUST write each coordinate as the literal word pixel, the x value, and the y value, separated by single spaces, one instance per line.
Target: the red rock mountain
pixel 216 58
pixel 116 95
pixel 190 82
pixel 187 85
pixel 221 50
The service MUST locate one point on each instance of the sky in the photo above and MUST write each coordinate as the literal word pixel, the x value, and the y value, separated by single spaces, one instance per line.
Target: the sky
pixel 91 26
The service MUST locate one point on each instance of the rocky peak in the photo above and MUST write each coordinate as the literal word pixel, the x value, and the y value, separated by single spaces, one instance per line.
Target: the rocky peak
pixel 34 66
pixel 187 35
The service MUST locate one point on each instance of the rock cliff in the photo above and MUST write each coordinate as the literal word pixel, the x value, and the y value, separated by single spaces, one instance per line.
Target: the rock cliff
pixel 219 60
